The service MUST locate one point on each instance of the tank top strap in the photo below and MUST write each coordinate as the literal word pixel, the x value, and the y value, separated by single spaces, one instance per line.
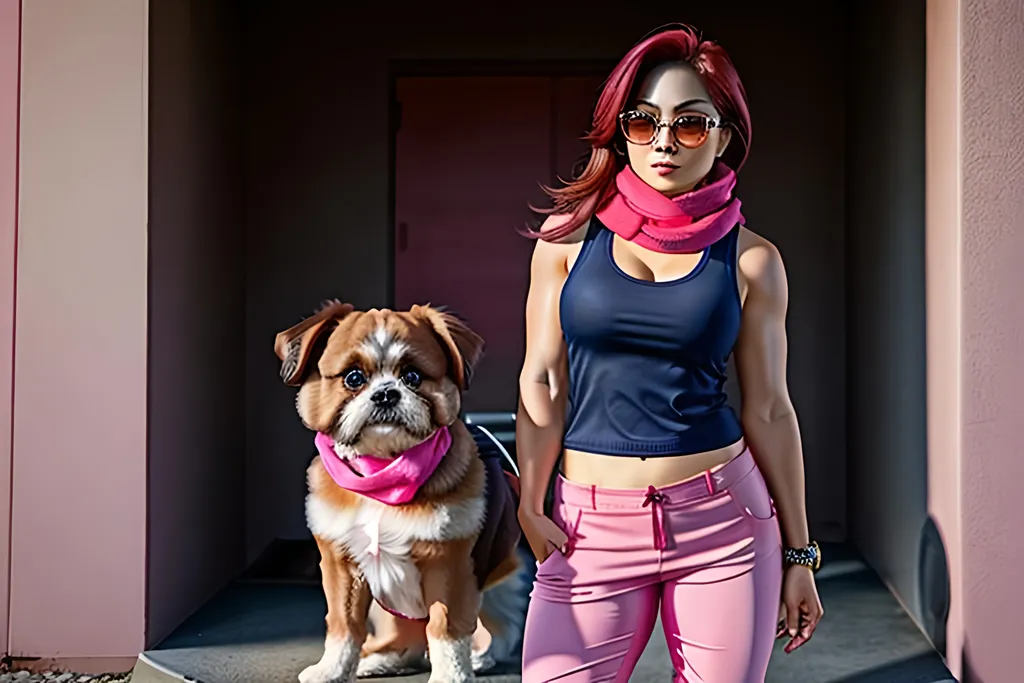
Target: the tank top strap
pixel 596 232
pixel 724 250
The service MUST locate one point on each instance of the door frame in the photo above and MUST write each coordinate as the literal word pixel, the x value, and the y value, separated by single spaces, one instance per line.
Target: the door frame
pixel 10 123
pixel 455 68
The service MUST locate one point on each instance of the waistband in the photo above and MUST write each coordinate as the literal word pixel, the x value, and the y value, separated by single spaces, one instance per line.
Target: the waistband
pixel 706 485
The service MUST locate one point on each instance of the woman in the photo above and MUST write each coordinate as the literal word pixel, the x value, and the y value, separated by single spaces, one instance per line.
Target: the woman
pixel 643 281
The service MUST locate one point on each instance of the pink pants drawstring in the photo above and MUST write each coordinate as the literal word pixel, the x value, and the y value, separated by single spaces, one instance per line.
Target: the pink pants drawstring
pixel 656 499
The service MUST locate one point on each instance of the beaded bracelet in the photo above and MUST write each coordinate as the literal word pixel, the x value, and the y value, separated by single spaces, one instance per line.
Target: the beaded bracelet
pixel 806 557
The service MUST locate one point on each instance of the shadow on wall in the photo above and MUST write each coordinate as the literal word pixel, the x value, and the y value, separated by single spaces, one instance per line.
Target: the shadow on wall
pixel 887 435
pixel 933 585
pixel 969 675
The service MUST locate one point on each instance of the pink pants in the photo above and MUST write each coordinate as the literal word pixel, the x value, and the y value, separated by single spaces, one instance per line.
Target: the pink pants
pixel 706 551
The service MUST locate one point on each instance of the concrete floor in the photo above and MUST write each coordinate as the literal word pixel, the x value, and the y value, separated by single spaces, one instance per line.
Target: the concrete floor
pixel 261 631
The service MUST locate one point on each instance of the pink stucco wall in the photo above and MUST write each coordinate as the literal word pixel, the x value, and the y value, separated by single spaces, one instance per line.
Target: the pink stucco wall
pixel 992 336
pixel 976 323
pixel 79 495
pixel 10 27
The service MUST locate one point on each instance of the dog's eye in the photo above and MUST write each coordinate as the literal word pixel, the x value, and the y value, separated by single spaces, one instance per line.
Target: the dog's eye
pixel 354 379
pixel 412 377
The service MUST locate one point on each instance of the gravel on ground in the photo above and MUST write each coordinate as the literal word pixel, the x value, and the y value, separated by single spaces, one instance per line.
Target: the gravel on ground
pixel 62 677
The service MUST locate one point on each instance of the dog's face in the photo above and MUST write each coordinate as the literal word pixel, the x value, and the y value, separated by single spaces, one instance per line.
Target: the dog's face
pixel 378 382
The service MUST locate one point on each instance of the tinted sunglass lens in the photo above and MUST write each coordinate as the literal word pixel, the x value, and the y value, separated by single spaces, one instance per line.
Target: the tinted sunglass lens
pixel 638 129
pixel 691 131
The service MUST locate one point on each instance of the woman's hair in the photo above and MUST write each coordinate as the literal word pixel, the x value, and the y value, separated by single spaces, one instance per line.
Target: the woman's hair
pixel 583 195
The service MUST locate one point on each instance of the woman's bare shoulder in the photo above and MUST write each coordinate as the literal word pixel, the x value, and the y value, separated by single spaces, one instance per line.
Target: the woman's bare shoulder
pixel 554 255
pixel 760 261
pixel 748 238
pixel 555 221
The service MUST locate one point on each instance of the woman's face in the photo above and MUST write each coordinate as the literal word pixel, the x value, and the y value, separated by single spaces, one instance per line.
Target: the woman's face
pixel 674 93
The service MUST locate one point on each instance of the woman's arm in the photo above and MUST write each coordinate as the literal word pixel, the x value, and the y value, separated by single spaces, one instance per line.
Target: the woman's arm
pixel 769 420
pixel 543 380
pixel 770 424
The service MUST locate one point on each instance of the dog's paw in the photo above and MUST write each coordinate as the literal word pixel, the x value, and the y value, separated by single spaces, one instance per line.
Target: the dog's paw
pixel 338 664
pixel 482 661
pixel 318 673
pixel 394 663
pixel 451 661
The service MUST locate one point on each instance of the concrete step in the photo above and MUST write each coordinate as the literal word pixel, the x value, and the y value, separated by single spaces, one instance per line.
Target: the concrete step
pixel 266 630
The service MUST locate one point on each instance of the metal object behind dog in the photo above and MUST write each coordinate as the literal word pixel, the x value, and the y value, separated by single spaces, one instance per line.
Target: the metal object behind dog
pixel 481 425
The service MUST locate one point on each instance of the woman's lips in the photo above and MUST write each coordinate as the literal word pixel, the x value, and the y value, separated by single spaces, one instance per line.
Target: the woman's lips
pixel 663 168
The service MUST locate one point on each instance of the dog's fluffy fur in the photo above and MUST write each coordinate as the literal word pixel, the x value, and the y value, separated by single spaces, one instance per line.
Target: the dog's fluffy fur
pixel 423 569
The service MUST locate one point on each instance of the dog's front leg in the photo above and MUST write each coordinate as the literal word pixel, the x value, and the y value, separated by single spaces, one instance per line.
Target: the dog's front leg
pixel 397 645
pixel 449 587
pixel 348 604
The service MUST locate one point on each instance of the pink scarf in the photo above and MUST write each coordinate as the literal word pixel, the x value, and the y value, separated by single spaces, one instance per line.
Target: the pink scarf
pixel 688 223
pixel 392 481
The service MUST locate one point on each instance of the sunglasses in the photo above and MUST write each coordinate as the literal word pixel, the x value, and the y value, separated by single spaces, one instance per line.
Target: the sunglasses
pixel 689 130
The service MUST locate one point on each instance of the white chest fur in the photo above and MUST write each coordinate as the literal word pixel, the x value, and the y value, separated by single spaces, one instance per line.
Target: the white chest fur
pixel 380 537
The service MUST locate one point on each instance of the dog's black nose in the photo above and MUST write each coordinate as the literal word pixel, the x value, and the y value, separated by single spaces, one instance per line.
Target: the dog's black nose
pixel 386 398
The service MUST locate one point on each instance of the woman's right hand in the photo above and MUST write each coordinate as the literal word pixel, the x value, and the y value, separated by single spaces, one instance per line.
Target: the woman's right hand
pixel 542 534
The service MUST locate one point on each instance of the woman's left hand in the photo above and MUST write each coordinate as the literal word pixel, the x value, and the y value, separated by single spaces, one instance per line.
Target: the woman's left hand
pixel 801 608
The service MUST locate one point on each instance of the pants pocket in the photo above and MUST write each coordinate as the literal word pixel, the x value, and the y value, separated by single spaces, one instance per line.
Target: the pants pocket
pixel 559 564
pixel 545 565
pixel 751 497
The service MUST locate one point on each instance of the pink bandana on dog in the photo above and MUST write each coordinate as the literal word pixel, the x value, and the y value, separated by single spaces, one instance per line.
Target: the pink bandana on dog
pixel 391 481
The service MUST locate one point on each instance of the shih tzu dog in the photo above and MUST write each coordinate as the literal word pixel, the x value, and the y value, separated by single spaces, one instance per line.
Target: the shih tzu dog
pixel 417 534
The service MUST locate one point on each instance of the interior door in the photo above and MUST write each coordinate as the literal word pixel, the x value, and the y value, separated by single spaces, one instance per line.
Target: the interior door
pixel 471 153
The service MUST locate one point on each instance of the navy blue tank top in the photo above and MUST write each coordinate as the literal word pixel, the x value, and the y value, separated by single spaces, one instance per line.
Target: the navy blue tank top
pixel 648 360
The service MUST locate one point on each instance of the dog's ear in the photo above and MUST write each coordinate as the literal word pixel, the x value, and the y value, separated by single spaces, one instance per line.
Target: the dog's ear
pixel 465 347
pixel 295 345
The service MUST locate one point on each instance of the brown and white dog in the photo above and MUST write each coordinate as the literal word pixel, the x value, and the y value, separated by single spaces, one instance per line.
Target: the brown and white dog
pixel 379 383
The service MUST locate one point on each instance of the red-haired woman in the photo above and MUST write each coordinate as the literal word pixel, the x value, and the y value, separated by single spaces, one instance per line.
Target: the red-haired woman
pixel 643 282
